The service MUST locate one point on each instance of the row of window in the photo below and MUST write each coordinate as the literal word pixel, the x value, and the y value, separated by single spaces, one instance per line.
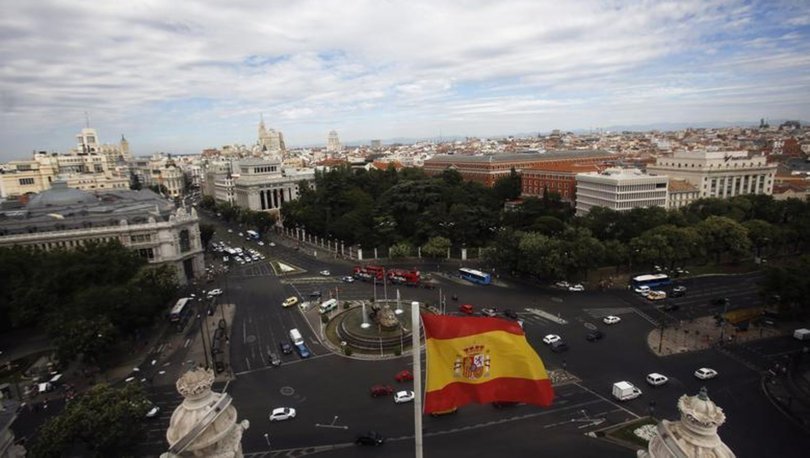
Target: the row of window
pixel 727 165
pixel 139 238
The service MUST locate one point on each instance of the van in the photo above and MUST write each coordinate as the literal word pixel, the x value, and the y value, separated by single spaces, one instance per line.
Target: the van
pixel 327 306
pixel 296 337
pixel 802 334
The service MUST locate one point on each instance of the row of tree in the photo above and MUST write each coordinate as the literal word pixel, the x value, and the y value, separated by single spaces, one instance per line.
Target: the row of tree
pixel 87 299
pixel 261 221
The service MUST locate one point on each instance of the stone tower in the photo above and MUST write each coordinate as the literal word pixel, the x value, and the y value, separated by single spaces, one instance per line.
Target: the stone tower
pixel 694 435
pixel 205 423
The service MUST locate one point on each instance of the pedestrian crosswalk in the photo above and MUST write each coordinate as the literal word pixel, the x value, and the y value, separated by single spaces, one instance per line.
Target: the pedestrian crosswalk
pixel 261 269
pixel 608 311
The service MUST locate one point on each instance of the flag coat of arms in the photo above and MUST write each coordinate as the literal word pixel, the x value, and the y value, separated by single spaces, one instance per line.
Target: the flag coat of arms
pixel 481 360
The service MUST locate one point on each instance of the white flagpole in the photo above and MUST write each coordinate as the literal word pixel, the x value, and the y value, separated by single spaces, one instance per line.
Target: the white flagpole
pixel 416 326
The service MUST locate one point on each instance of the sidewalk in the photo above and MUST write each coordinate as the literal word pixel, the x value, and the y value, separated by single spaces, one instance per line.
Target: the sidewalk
pixel 701 334
pixel 788 387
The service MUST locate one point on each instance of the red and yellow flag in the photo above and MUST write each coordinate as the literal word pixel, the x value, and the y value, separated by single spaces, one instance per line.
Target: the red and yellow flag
pixel 482 360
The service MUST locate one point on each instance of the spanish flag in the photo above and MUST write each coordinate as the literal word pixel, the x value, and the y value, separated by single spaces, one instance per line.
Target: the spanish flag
pixel 482 360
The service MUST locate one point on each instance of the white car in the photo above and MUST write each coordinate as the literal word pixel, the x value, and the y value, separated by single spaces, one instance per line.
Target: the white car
pixel 656 379
pixel 326 273
pixel 282 413
pixel 562 284
pixel 290 301
pixel 272 244
pixel 347 279
pixel 261 243
pixel 215 292
pixel 230 231
pixel 577 287
pixel 643 290
pixel 551 338
pixel 241 234
pixel 153 411
pixel 704 373
pixel 610 319
pixel 403 396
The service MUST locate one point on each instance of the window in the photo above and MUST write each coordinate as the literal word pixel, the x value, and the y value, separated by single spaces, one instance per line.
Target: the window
pixel 26 181
pixel 146 253
pixel 185 241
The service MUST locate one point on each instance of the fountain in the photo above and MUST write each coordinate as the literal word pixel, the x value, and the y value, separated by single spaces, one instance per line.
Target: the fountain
pixel 374 329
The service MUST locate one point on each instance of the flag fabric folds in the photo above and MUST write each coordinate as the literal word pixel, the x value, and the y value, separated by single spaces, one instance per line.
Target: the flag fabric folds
pixel 482 360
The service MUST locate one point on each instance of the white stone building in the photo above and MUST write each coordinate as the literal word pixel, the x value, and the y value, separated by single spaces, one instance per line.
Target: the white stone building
pixel 719 173
pixel 333 143
pixel 681 194
pixel 620 190
pixel 271 140
pixel 262 184
pixel 140 220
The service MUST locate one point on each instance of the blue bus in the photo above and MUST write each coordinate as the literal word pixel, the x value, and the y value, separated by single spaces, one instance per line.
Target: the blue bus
pixel 180 313
pixel 475 276
pixel 650 280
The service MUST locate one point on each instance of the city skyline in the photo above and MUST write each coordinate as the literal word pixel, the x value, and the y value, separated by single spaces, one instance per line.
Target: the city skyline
pixel 180 80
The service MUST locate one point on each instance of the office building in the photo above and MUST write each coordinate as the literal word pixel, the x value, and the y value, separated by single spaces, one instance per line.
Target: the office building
pixel 620 190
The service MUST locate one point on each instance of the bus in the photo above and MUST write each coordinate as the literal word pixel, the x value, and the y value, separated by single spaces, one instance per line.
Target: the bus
pixel 650 281
pixel 475 276
pixel 180 313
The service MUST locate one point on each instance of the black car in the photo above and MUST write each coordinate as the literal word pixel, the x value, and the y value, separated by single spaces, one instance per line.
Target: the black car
pixel 315 295
pixel 370 438
pixel 559 346
pixel 671 307
pixel 594 335
pixel 509 313
pixel 275 361
pixel 285 347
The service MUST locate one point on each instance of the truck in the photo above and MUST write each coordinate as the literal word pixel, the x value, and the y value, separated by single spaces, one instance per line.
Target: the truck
pixel 624 391
pixel 404 277
pixel 801 334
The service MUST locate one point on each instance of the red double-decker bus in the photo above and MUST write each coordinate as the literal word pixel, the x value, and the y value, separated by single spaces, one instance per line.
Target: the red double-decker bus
pixel 369 272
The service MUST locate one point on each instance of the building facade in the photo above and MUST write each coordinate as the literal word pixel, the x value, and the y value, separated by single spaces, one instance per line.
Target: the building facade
pixel 262 184
pixel 681 194
pixel 553 178
pixel 489 168
pixel 720 174
pixel 271 140
pixel 64 218
pixel 333 142
pixel 620 190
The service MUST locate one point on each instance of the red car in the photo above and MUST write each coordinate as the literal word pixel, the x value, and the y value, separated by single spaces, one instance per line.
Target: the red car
pixel 404 376
pixel 466 308
pixel 381 390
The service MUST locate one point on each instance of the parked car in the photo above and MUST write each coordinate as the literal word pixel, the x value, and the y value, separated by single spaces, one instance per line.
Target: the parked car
pixel 282 413
pixel 381 390
pixel 610 319
pixel 403 376
pixel 370 438
pixel 551 338
pixel 656 379
pixel 489 311
pixel 466 309
pixel 559 346
pixel 403 396
pixel 509 313
pixel 705 373
pixel 577 287
pixel 594 335
pixel 285 347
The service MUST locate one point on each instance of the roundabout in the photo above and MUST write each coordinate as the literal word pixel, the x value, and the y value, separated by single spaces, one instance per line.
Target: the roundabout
pixel 372 328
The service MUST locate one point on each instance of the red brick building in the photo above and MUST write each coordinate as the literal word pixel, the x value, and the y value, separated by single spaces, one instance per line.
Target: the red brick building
pixel 560 178
pixel 487 169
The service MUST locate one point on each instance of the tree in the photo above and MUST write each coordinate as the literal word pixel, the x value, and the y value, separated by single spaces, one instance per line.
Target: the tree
pixel 761 234
pixel 792 286
pixel 508 187
pixel 105 420
pixel 207 233
pixel 436 247
pixel 401 250
pixel 208 202
pixel 724 235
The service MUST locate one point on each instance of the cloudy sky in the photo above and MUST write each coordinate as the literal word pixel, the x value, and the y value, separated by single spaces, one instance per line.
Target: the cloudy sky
pixel 179 76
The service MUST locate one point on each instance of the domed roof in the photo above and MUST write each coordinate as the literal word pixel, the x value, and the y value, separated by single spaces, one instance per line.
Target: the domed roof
pixel 60 195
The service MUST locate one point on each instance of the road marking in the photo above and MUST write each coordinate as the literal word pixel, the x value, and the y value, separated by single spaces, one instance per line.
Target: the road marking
pixel 547 316
pixel 606 400
pixel 259 369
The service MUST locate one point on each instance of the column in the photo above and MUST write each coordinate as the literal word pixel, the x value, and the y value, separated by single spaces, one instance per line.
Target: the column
pixel 261 197
pixel 275 198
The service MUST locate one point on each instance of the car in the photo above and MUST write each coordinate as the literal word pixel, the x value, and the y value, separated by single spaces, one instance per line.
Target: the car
pixel 403 376
pixel 656 295
pixel 230 231
pixel 290 301
pixel 559 346
pixel 315 295
pixel 705 373
pixel 577 287
pixel 381 390
pixel 466 309
pixel 489 311
pixel 611 319
pixel 302 350
pixel 347 279
pixel 678 291
pixel 403 396
pixel 225 259
pixel 260 243
pixel 509 313
pixel 285 347
pixel 719 301
pixel 274 359
pixel 272 244
pixel 153 411
pixel 551 338
pixel 325 273
pixel 241 234
pixel 656 379
pixel 594 335
pixel 562 284
pixel 440 413
pixel 643 290
pixel 282 413
pixel 370 438
pixel 502 404
pixel 215 292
